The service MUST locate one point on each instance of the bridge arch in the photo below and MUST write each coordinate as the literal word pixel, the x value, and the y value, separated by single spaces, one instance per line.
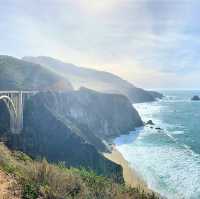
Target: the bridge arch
pixel 12 111
pixel 9 103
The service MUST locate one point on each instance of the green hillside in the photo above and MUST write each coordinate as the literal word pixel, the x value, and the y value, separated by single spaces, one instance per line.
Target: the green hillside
pixel 16 74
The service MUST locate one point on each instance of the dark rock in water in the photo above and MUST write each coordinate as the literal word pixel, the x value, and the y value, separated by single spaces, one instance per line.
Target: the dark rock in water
pixel 158 128
pixel 196 98
pixel 150 122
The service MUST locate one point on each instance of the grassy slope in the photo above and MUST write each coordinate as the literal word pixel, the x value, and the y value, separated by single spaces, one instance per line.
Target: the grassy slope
pixel 39 179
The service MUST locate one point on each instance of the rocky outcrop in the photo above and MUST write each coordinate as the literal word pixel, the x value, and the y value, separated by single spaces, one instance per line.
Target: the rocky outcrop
pixel 106 115
pixel 195 98
pixel 150 122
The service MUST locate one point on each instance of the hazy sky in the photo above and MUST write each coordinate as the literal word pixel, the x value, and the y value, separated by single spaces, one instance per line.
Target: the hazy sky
pixel 152 43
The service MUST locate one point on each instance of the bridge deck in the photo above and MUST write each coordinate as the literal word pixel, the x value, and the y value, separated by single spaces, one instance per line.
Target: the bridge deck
pixel 13 92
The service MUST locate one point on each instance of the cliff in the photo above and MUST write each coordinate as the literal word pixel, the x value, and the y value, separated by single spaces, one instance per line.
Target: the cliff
pixel 106 115
pixel 70 127
pixel 44 135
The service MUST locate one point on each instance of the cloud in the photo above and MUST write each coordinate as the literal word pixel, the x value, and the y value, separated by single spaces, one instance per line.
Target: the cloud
pixel 149 42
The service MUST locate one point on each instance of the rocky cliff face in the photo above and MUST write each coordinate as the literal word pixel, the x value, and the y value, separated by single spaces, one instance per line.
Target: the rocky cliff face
pixel 70 126
pixel 106 115
pixel 46 136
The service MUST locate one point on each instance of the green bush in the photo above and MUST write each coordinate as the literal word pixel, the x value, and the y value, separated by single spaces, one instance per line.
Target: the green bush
pixel 30 191
pixel 8 168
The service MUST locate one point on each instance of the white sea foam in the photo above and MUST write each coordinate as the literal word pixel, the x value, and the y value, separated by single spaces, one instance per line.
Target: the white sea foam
pixel 177 132
pixel 168 165
pixel 172 171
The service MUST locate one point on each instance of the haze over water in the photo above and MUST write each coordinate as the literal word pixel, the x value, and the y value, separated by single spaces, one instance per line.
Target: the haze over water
pixel 168 159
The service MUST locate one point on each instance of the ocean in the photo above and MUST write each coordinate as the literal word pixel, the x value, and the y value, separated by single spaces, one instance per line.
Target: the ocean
pixel 168 159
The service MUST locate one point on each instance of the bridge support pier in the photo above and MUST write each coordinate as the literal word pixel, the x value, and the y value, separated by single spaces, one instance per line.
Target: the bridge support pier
pixel 16 123
pixel 14 101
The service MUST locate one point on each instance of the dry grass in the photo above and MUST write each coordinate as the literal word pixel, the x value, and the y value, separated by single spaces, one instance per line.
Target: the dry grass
pixel 55 182
pixel 41 180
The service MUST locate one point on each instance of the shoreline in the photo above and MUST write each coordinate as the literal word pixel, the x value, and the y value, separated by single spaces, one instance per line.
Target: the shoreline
pixel 131 177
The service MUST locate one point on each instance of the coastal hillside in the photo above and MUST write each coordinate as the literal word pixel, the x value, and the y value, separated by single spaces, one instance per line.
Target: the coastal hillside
pixel 16 74
pixel 106 115
pixel 23 178
pixel 96 80
pixel 45 136
pixel 56 123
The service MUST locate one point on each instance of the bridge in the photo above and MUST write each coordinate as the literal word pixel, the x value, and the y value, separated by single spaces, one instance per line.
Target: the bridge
pixel 14 101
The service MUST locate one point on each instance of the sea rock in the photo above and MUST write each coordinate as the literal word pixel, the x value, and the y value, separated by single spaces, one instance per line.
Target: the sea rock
pixel 150 122
pixel 195 98
pixel 158 128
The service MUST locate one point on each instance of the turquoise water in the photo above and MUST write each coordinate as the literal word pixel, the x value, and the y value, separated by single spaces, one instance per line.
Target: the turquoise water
pixel 169 159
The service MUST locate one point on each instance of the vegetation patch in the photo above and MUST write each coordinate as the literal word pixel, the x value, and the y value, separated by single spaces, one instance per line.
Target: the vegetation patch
pixel 41 180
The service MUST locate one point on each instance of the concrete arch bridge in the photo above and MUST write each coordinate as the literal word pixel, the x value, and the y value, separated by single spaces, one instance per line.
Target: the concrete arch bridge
pixel 14 101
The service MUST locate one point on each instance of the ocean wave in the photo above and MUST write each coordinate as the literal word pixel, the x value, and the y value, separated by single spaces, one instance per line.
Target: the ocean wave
pixel 170 170
pixel 177 132
pixel 166 158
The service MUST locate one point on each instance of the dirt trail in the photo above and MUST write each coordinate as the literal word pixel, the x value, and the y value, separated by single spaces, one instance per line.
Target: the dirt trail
pixel 8 187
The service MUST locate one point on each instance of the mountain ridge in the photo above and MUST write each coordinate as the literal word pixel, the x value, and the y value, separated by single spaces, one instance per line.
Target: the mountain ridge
pixel 93 79
pixel 17 74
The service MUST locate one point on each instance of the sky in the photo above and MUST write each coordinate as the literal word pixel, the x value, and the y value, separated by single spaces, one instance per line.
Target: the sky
pixel 151 43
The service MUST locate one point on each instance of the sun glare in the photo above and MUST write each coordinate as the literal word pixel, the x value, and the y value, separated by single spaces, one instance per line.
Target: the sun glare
pixel 98 7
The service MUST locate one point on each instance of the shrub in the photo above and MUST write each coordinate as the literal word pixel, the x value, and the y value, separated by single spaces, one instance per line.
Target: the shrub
pixel 39 179
pixel 30 191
